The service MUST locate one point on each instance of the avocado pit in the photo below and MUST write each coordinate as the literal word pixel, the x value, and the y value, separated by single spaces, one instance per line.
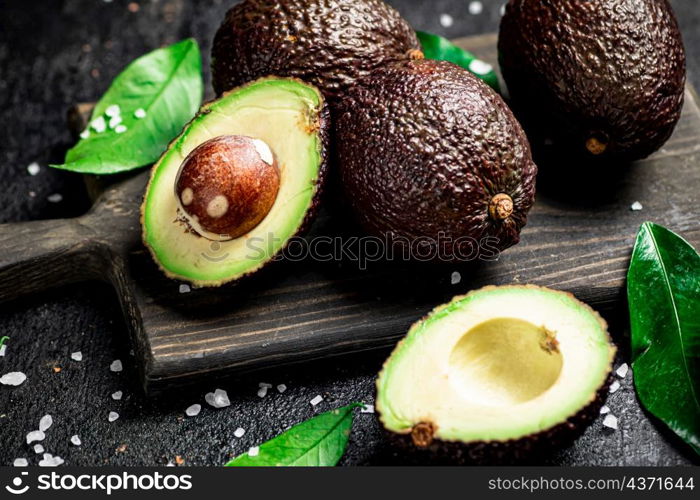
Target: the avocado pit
pixel 226 186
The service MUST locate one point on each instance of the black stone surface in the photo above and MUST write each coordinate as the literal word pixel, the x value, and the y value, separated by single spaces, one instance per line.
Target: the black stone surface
pixel 56 53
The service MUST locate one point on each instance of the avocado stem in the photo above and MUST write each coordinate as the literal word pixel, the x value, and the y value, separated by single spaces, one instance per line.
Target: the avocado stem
pixel 595 146
pixel 422 434
pixel 501 207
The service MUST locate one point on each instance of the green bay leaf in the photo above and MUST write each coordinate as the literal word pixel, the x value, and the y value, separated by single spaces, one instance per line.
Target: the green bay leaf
pixel 663 290
pixel 440 49
pixel 167 85
pixel 317 442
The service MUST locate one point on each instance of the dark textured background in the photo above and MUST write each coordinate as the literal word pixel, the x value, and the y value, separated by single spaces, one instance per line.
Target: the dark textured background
pixel 55 53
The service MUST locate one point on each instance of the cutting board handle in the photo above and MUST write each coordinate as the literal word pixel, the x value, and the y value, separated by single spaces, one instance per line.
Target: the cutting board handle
pixel 38 255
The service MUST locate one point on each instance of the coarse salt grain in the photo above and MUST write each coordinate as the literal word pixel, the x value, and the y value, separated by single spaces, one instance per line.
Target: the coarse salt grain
pixel 316 400
pixel 55 198
pixel 120 129
pixel 254 451
pixel 50 461
pixel 33 168
pixel 113 122
pixel 117 395
pixel 604 410
pixel 636 206
pixel 185 288
pixel 262 392
pixel 99 124
pixel 13 378
pixel 614 386
pixel 622 370
pixel 218 398
pixel 113 110
pixel 475 8
pixel 75 439
pixel 45 422
pixel 610 421
pixel 193 411
pixel 76 356
pixel 239 432
pixel 113 415
pixel 367 409
pixel 38 449
pixel 455 278
pixel 20 462
pixel 281 388
pixel 35 436
pixel 140 113
pixel 480 67
pixel 446 20
pixel 85 134
pixel 116 366
pixel 2 350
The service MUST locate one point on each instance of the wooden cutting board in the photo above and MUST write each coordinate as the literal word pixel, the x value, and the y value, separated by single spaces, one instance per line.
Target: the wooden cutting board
pixel 579 238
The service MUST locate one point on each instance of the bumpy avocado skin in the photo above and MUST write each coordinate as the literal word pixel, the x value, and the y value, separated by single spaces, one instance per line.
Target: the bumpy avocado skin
pixel 582 69
pixel 330 43
pixel 423 148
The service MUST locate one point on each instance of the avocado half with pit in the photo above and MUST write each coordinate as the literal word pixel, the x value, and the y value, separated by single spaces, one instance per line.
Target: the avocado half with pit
pixel 241 180
pixel 502 369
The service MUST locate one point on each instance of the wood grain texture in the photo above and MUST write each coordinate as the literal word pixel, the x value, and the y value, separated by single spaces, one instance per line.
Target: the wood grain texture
pixel 579 238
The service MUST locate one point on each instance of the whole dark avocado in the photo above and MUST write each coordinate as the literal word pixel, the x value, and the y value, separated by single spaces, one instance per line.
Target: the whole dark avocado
pixel 597 77
pixel 330 43
pixel 430 156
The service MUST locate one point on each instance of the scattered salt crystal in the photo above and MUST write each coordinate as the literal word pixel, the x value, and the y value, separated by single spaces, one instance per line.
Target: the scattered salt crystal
pixel 20 462
pixel 475 8
pixel 281 388
pixel 610 421
pixel 33 168
pixel 75 439
pixel 120 129
pixel 170 464
pixel 113 122
pixel 113 110
pixel 218 399
pixel 614 386
pixel 50 461
pixel 480 67
pixel 455 278
pixel 35 436
pixel 99 124
pixel 262 392
pixel 316 400
pixel 622 370
pixel 265 385
pixel 85 134
pixel 117 395
pixel 367 409
pixel 193 410
pixel 45 422
pixel 76 356
pixel 239 432
pixel 140 113
pixel 38 449
pixel 13 378
pixel 113 415
pixel 636 206
pixel 185 288
pixel 446 20
pixel 253 452
pixel 604 410
pixel 2 350
pixel 116 366
pixel 55 198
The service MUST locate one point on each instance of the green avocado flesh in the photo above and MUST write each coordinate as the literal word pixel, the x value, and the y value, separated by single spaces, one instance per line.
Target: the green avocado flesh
pixel 284 113
pixel 501 363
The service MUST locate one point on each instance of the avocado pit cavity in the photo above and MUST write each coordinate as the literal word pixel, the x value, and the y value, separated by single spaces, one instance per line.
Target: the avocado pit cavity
pixel 227 185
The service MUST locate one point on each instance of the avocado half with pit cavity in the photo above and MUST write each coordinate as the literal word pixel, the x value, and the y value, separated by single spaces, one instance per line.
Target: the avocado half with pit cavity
pixel 502 368
pixel 241 180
